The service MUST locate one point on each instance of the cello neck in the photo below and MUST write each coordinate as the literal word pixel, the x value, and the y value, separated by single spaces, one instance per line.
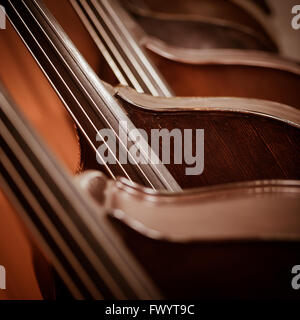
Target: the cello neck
pixel 109 26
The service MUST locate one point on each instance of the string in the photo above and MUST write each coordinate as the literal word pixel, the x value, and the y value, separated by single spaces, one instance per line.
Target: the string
pixel 45 177
pixel 82 109
pixel 106 23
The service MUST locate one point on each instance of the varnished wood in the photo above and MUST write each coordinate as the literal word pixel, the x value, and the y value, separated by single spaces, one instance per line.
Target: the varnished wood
pixel 238 147
pixel 227 246
pixel 213 72
pixel 232 80
pixel 201 24
pixel 45 111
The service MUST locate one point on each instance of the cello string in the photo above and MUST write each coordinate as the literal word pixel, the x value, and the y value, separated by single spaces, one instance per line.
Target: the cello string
pixel 95 130
pixel 136 68
pixel 161 171
pixel 166 180
pixel 115 59
pixel 36 207
pixel 52 183
pixel 70 91
pixel 62 270
pixel 112 37
pixel 116 12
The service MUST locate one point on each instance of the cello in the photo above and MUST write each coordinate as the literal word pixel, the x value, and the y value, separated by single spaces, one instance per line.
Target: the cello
pixel 65 60
pixel 188 71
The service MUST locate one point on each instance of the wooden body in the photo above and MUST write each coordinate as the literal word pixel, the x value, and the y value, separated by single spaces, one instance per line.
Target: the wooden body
pixel 234 74
pixel 29 273
pixel 244 140
pixel 201 24
pixel 231 241
pixel 198 71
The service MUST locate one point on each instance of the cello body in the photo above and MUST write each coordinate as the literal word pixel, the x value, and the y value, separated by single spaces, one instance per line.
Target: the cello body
pixel 30 273
pixel 243 142
pixel 201 24
pixel 198 70
pixel 221 234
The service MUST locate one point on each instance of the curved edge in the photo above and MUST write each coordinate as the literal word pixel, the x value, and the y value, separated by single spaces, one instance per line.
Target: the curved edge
pixel 254 187
pixel 257 192
pixel 261 35
pixel 253 58
pixel 223 213
pixel 264 108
